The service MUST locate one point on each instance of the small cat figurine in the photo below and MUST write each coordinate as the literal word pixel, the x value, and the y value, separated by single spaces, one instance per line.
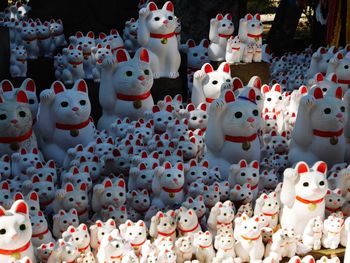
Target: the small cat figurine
pixel 45 41
pixel 113 39
pixel 62 220
pixel 29 39
pixel 131 81
pixel 156 32
pixel 64 119
pixel 233 50
pixel 16 122
pixel 73 64
pixel 56 30
pixel 221 28
pixel 41 233
pixel 17 233
pixel 130 35
pixel 18 62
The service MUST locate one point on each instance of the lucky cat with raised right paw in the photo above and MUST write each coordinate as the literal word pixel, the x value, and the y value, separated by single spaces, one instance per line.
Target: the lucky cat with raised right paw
pixel 64 119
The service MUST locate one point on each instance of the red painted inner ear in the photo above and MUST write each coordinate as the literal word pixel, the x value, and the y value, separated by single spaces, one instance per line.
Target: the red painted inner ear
pixel 226 68
pixel 58 87
pixel 219 17
pixel 22 208
pixel 191 43
pixel 208 68
pixel 152 6
pixel 170 7
pixel 266 88
pixel 302 168
pixel 229 96
pixel 322 167
pixel 7 86
pixel 82 86
pixel 249 17
pixel 318 94
pixel 144 55
pixel 121 55
pixel 339 93
pixel 206 43
pixel 22 97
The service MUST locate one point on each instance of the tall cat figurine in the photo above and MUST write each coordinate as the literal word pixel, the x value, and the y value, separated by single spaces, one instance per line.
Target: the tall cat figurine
pixel 16 124
pixel 156 32
pixel 125 87
pixel 18 62
pixel 73 64
pixel 232 127
pixel 64 119
pixel 208 83
pixel 221 29
pixel 233 50
pixel 303 195
pixel 16 233
pixel 318 131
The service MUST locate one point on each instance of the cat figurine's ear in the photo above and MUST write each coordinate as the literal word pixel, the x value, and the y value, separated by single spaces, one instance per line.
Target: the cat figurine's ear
pixel 122 55
pixel 168 6
pixel 144 56
pixel 58 87
pixel 152 6
pixel 6 86
pixel 28 85
pixel 22 97
pixel 21 207
pixel 80 85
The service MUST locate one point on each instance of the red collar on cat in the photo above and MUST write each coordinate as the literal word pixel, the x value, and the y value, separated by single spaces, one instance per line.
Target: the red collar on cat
pixel 81 250
pixel 204 246
pixel 189 230
pixel 82 212
pixel 133 97
pixel 57 34
pixel 344 81
pixel 73 126
pixel 250 238
pixel 16 139
pixel 139 244
pixel 166 234
pixel 240 138
pixel 162 35
pixel 21 60
pixel 328 133
pixel 224 35
pixel 209 100
pixel 30 39
pixel 305 201
pixel 172 190
pixel 75 63
pixel 41 234
pixel 44 37
pixel 8 252
pixel 333 210
pixel 252 35
pixel 267 214
pixel 235 48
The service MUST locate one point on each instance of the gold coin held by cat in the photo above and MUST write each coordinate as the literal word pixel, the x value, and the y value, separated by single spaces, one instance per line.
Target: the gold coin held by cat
pixel 246 146
pixel 164 41
pixel 171 195
pixel 14 146
pixel 137 104
pixel 74 132
pixel 333 140
pixel 312 207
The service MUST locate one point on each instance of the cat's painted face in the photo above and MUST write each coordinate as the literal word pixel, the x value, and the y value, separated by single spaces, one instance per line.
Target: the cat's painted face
pixel 140 200
pixel 45 250
pixel 101 52
pixel 113 39
pixel 242 116
pixel 5 195
pixel 329 111
pixel 15 116
pixel 69 251
pixel 272 97
pixel 270 203
pixel 196 205
pixel 86 42
pixel 133 76
pixel 197 55
pixel 38 222
pixel 254 25
pixel 71 106
pixel 114 193
pixel 28 30
pixel 15 227
pixel 161 21
pixel 79 235
pixel 312 183
pixel 198 117
pixel 211 194
pixel 172 177
pixel 134 232
pixel 65 219
pixel 75 197
pixel 334 199
pixel 212 84
pixel 186 218
pixel 241 193
pixel 248 173
pixel 118 214
pixel 44 187
pixel 32 200
pixel 248 227
pixel 73 54
pixel 19 53
pixel 167 221
pixel 42 29
pixel 77 176
pixel 203 238
pixel 162 118
pixel 225 25
pixel 56 27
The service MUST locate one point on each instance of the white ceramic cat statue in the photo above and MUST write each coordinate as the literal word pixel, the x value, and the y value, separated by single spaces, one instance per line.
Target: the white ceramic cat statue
pixel 221 29
pixel 16 123
pixel 303 195
pixel 319 128
pixel 130 82
pixel 156 32
pixel 73 64
pixel 64 119
pixel 232 127
pixel 18 62
pixel 16 233
pixel 233 50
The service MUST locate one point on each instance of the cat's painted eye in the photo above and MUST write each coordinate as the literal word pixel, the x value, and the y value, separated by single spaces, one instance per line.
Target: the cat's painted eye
pixel 255 112
pixel 238 114
pixel 157 18
pixel 3 116
pixel 64 104
pixel 82 102
pixel 346 66
pixel 327 110
pixel 170 18
pixel 22 114
pixel 195 54
pixel 268 99
pixel 342 108
pixel 31 101
pixel 22 227
pixel 214 82
pixel 223 25
pixel 2 231
pixel 306 184
pixel 146 72
pixel 128 73
pixel 322 183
